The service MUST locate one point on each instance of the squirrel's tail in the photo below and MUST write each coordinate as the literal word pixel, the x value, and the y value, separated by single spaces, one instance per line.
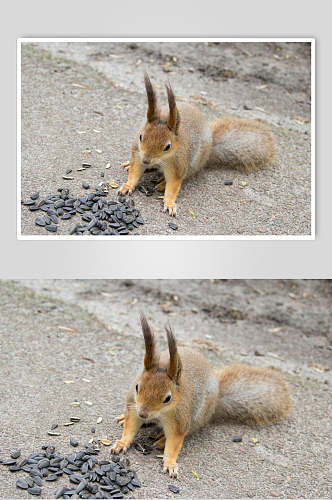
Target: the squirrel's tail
pixel 239 143
pixel 252 395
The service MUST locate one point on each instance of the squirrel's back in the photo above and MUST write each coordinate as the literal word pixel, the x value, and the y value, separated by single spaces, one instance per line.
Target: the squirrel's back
pixel 229 142
pixel 237 392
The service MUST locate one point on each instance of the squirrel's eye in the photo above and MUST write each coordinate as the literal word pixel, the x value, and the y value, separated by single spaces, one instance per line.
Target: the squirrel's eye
pixel 136 387
pixel 167 147
pixel 167 400
pixel 140 137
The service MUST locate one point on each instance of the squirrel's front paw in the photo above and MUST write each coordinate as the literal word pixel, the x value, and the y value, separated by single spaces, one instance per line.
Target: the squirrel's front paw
pixel 171 468
pixel 121 419
pixel 118 447
pixel 170 207
pixel 126 165
pixel 125 188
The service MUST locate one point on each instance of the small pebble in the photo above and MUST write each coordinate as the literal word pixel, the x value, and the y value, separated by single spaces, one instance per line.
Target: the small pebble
pixel 174 489
pixel 85 185
pixel 173 226
pixel 34 196
pixel 73 442
pixel 16 454
pixel 93 430
pixel 237 439
pixel 69 171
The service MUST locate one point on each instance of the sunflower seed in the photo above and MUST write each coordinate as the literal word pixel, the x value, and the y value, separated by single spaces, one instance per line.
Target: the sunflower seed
pixel 51 477
pixel 30 482
pixel 228 183
pixel 34 196
pixel 69 171
pixel 172 225
pixel 9 462
pixel 73 442
pixel 75 419
pixel 34 491
pixel 22 483
pixel 86 165
pixel 135 482
pixel 52 228
pixel 51 433
pixel 66 424
pixel 60 491
pixel 99 420
pixel 54 426
pixel 68 178
pixel 173 489
pixel 16 454
pixel 59 204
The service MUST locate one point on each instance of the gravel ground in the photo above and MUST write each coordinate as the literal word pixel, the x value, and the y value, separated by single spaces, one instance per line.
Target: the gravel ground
pixel 286 323
pixel 268 81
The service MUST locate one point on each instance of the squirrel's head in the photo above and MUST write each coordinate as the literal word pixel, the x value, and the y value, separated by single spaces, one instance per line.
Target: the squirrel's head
pixel 157 389
pixel 158 140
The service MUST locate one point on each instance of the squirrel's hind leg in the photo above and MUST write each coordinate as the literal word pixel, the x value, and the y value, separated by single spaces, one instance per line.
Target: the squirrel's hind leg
pixel 160 441
pixel 161 185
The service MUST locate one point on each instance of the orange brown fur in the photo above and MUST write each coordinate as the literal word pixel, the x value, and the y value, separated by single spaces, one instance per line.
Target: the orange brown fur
pixel 194 143
pixel 182 393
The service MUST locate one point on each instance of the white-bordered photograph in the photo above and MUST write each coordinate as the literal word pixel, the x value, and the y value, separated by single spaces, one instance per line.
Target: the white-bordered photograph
pixel 166 138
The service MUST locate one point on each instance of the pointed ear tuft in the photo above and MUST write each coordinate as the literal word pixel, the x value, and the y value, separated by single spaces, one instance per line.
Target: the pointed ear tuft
pixel 175 365
pixel 150 359
pixel 174 116
pixel 152 113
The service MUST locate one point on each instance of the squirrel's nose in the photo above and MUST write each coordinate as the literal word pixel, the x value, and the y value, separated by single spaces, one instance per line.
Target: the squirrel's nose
pixel 146 160
pixel 143 414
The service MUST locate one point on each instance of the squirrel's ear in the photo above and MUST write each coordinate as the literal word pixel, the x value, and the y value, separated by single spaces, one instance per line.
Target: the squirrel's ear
pixel 150 359
pixel 175 365
pixel 152 113
pixel 174 116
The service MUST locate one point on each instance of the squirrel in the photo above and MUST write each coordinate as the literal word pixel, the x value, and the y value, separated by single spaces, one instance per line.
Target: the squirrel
pixel 179 141
pixel 181 392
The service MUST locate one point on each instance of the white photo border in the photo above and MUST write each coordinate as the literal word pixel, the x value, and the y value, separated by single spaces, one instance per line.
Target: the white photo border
pixel 312 236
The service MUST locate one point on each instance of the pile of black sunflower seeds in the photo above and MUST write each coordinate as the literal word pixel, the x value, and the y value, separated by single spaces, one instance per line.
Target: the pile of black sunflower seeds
pixel 89 477
pixel 99 215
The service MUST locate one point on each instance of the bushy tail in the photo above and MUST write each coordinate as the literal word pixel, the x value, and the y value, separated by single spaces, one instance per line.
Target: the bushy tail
pixel 252 395
pixel 239 143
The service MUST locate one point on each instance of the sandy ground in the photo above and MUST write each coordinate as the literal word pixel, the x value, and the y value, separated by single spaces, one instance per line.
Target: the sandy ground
pixel 285 324
pixel 268 81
